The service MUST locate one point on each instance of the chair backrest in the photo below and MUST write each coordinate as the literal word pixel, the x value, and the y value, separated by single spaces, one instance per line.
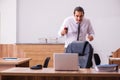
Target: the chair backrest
pixel 97 59
pixel 85 51
pixel 46 62
pixel 116 54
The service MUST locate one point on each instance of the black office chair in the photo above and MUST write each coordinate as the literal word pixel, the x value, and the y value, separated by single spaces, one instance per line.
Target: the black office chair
pixel 97 59
pixel 46 62
pixel 40 66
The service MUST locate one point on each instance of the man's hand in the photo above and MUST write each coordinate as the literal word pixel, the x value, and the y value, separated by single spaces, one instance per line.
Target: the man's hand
pixel 90 37
pixel 64 31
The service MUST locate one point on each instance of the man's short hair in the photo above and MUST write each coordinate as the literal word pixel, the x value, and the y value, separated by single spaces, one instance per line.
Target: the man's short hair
pixel 79 9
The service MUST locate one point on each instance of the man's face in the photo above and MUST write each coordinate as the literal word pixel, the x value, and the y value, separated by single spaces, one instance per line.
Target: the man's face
pixel 78 16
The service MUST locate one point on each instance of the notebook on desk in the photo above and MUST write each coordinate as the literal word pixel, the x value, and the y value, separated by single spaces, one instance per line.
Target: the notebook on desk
pixel 66 61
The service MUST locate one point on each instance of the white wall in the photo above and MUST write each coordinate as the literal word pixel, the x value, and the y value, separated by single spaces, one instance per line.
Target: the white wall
pixel 41 18
pixel 8 21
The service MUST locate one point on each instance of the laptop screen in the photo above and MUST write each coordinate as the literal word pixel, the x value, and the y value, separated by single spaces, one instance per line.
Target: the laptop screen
pixel 66 61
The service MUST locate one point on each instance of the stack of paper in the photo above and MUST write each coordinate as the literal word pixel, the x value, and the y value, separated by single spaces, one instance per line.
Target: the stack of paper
pixel 107 68
pixel 10 58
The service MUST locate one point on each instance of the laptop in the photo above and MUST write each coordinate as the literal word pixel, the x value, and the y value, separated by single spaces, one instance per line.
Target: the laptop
pixel 66 61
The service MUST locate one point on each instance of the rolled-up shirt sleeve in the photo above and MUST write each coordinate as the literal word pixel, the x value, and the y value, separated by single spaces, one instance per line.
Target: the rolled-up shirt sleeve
pixel 90 30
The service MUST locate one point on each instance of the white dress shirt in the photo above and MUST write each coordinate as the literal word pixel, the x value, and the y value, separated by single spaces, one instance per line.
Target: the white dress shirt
pixel 72 25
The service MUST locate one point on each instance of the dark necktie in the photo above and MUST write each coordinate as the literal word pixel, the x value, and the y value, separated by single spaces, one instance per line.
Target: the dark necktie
pixel 78 32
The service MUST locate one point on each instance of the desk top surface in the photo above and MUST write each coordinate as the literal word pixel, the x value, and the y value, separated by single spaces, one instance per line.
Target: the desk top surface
pixel 112 58
pixel 17 71
pixel 14 61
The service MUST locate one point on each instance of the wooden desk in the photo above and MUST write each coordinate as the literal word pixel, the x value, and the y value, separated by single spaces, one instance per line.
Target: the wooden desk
pixel 50 74
pixel 19 62
pixel 114 61
pixel 38 52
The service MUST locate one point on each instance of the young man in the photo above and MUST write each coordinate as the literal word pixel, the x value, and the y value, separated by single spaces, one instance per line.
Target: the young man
pixel 70 28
